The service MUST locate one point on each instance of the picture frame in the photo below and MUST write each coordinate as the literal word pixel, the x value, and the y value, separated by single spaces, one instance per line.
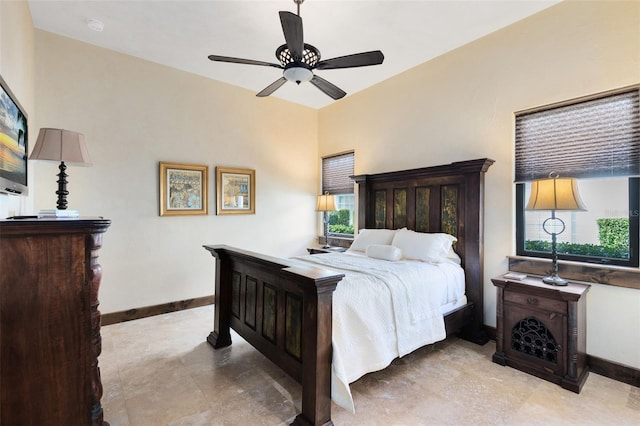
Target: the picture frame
pixel 183 189
pixel 235 191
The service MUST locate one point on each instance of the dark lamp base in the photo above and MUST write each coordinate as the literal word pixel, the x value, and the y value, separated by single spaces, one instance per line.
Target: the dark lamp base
pixel 62 187
pixel 555 280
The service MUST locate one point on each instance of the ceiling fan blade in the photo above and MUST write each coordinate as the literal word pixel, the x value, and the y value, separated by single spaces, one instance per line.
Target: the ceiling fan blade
pixel 328 88
pixel 242 61
pixel 292 29
pixel 272 87
pixel 364 59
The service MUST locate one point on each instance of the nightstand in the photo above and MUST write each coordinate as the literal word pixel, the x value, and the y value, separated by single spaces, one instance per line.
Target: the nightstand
pixel 319 250
pixel 541 330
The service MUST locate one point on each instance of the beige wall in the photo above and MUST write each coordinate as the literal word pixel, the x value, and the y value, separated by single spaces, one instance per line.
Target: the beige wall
pixel 136 113
pixel 460 106
pixel 17 69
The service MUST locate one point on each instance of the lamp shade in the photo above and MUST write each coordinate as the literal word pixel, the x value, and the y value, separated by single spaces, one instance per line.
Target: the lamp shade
pixel 326 202
pixel 61 145
pixel 555 194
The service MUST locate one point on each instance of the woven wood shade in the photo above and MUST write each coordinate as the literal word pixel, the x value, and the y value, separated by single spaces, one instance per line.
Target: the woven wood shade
pixel 335 174
pixel 597 137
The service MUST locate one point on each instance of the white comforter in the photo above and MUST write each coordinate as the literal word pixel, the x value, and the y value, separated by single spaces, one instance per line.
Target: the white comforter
pixel 383 310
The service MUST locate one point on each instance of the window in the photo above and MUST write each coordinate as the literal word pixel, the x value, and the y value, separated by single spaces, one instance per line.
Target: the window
pixel 597 141
pixel 336 179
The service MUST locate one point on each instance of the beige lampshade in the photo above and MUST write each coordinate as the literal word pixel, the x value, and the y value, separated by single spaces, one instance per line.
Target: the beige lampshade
pixel 555 194
pixel 61 145
pixel 326 202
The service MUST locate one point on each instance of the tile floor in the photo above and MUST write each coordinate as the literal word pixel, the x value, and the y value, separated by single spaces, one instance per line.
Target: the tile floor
pixel 160 371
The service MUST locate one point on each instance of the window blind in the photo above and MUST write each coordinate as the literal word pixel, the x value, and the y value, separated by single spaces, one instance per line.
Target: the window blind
pixel 336 170
pixel 598 137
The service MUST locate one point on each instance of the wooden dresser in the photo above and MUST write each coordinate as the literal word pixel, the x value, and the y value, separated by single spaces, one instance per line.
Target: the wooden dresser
pixel 541 329
pixel 49 322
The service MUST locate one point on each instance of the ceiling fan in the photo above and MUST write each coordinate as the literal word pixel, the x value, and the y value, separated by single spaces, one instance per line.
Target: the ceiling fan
pixel 299 59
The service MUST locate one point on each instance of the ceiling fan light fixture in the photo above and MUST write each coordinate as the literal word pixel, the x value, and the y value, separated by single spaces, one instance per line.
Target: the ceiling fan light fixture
pixel 298 74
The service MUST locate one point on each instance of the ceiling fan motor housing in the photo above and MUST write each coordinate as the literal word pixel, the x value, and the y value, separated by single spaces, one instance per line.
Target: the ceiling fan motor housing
pixel 310 55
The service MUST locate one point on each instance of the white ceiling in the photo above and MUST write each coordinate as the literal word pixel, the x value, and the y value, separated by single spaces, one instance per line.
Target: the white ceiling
pixel 182 33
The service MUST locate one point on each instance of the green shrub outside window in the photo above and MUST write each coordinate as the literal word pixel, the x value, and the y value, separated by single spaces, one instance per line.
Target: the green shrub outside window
pixel 613 236
pixel 339 222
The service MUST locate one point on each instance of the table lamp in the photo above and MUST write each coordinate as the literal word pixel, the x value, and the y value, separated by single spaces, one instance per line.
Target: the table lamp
pixel 325 204
pixel 64 146
pixel 554 194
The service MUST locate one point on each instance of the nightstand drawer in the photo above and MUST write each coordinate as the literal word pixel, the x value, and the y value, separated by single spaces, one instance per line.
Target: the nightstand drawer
pixel 537 302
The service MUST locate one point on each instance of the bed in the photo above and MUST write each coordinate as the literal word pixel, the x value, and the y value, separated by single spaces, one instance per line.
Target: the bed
pixel 284 307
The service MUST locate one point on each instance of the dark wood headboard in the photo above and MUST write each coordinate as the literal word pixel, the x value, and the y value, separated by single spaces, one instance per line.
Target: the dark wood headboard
pixel 446 198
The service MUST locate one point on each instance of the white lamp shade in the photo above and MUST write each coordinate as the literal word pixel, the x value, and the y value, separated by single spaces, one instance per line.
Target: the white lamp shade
pixel 555 194
pixel 61 145
pixel 326 203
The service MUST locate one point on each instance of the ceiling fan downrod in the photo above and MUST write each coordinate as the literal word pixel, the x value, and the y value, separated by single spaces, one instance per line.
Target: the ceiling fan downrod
pixel 298 3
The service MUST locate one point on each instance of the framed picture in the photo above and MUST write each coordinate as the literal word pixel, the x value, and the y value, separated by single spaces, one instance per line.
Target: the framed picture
pixel 183 189
pixel 236 191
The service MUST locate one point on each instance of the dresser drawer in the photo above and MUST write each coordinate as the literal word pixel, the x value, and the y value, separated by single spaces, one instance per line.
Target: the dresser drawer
pixel 533 301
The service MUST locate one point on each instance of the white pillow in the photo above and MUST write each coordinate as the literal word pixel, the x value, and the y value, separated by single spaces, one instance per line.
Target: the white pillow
pixel 422 246
pixel 453 256
pixel 366 237
pixel 384 252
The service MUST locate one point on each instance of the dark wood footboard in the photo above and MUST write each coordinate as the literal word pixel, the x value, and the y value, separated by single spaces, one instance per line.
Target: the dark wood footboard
pixel 269 303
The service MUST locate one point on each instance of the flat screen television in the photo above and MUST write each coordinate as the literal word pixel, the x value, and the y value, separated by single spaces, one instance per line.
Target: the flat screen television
pixel 13 143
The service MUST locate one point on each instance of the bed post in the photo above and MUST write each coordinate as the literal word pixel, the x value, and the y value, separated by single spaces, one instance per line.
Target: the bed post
pixel 221 334
pixel 474 172
pixel 364 195
pixel 317 350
